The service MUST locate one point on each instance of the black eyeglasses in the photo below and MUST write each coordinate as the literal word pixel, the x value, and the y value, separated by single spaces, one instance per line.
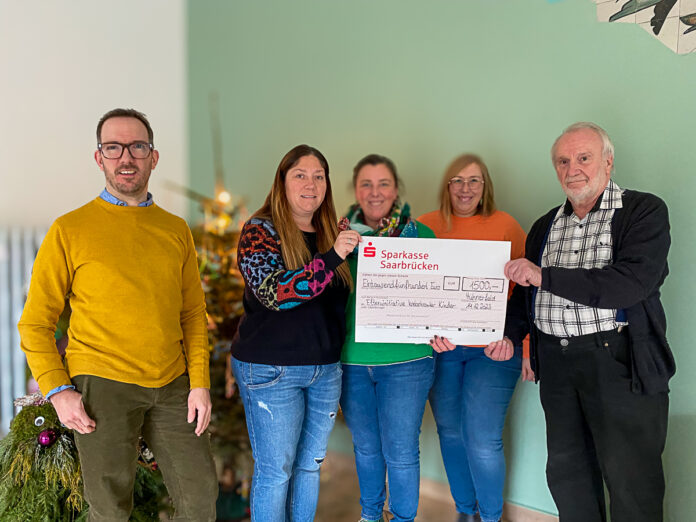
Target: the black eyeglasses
pixel 114 150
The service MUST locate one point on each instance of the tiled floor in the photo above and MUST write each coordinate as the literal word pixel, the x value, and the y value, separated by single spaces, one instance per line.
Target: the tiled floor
pixel 338 497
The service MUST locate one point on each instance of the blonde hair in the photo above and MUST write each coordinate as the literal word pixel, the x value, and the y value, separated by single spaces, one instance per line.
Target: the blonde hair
pixel 486 205
pixel 277 209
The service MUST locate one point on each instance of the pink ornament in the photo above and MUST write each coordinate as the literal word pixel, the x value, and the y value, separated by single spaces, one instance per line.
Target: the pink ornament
pixel 47 437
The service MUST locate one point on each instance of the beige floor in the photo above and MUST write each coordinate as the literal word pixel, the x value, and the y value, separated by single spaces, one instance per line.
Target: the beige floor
pixel 339 494
pixel 338 497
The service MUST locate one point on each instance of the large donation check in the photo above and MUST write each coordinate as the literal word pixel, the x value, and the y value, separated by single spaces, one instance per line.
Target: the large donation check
pixel 409 290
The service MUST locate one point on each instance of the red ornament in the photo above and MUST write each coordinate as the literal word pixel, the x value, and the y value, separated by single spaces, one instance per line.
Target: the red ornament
pixel 47 437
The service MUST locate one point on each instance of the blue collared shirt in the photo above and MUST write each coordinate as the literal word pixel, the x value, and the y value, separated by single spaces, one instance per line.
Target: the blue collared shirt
pixel 110 198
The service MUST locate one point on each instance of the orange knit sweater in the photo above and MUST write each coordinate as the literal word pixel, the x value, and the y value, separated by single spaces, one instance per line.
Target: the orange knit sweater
pixel 499 226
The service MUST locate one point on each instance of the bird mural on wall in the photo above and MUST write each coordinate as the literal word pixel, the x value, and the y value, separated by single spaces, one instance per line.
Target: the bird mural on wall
pixel 662 9
pixel 689 20
pixel 664 24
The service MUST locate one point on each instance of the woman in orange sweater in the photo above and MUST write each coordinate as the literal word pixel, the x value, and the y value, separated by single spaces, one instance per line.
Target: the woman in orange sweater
pixel 471 392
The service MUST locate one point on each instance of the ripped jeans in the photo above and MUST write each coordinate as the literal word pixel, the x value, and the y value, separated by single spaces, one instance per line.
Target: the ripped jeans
pixel 290 411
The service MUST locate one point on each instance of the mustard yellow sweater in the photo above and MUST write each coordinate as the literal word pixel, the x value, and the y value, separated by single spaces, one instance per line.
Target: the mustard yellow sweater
pixel 138 310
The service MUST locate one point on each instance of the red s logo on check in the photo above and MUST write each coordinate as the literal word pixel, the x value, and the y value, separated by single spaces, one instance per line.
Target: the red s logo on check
pixel 370 251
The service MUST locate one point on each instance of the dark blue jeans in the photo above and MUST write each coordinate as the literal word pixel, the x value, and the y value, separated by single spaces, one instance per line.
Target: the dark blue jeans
pixel 383 407
pixel 469 399
pixel 290 411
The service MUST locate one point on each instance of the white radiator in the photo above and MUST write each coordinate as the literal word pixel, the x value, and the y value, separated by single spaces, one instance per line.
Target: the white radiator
pixel 18 247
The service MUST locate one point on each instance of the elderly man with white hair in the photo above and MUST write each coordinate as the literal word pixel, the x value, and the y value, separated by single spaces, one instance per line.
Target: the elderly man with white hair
pixel 589 293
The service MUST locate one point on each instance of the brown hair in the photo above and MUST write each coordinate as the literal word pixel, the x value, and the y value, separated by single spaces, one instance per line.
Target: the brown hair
pixel 486 205
pixel 376 159
pixel 277 209
pixel 125 113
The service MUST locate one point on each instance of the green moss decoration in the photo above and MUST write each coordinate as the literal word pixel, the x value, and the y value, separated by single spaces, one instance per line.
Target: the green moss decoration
pixel 40 475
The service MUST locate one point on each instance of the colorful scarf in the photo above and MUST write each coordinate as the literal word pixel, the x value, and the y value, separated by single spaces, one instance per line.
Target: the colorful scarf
pixel 398 224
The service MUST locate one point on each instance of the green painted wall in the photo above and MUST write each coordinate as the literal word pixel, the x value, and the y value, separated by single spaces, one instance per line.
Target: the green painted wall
pixel 424 81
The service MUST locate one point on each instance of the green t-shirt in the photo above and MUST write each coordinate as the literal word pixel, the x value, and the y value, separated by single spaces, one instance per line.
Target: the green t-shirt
pixel 375 354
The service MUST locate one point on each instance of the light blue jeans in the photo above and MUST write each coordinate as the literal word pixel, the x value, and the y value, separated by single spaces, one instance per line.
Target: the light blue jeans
pixel 469 400
pixel 383 407
pixel 290 411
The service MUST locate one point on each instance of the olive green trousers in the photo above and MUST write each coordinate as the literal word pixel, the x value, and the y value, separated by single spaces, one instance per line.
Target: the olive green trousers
pixel 123 412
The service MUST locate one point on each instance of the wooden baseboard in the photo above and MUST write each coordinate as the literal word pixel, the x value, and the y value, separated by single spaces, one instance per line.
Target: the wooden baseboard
pixel 511 512
pixel 515 513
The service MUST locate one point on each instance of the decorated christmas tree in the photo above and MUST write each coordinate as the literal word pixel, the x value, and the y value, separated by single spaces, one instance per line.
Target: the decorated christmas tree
pixel 216 242
pixel 223 288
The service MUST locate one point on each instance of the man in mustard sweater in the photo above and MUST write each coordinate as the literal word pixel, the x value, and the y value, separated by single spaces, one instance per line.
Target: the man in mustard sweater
pixel 137 357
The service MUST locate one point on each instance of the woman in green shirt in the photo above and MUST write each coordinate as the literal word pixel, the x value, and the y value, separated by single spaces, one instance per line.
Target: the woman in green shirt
pixel 385 386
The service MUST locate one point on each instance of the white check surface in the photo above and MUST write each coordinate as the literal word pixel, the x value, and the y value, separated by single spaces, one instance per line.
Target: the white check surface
pixel 408 290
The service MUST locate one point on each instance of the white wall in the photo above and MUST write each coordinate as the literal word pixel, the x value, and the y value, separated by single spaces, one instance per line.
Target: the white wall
pixel 62 65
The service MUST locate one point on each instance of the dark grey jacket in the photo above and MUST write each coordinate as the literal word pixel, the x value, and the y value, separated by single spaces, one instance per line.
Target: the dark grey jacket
pixel 641 240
